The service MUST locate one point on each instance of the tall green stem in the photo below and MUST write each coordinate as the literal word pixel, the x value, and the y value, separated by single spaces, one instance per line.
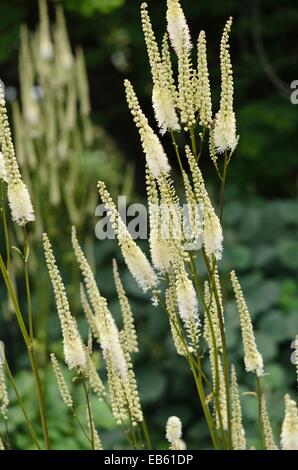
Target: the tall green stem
pixel 29 346
pixel 260 421
pixel 20 401
pixel 89 411
pixel 222 186
pixel 27 282
pixel 177 151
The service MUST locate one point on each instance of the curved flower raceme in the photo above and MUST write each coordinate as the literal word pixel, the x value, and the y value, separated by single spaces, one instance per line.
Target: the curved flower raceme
pixel 73 348
pixel 18 195
pixel 225 137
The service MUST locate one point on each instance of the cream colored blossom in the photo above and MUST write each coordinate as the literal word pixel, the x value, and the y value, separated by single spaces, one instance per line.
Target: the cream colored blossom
pixel 62 385
pixel 186 298
pixel 289 432
pixel 238 433
pixel 20 203
pixel 162 97
pixel 177 27
pixel 18 195
pixel 155 155
pixel 164 108
pixel 73 348
pixel 174 432
pixel 225 122
pixel 252 358
pixel 1 445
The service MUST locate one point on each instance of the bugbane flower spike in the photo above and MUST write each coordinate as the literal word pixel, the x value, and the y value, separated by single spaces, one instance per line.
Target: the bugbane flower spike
pixel 155 155
pixel 289 432
pixel 73 348
pixel 203 85
pixel 186 95
pixel 177 27
pixel 3 173
pixel 45 43
pixel 167 68
pixel 127 315
pixel 220 388
pixel 135 259
pixel 252 358
pixel 211 304
pixel 93 430
pixel 171 304
pixel 1 445
pixel 62 41
pixel 95 381
pixel 163 99
pixel 174 433
pixel 62 385
pixel 238 433
pixel 267 430
pixel 186 297
pixel 121 379
pixel 160 245
pixel 225 122
pixel 4 400
pixel 212 231
pixel 18 194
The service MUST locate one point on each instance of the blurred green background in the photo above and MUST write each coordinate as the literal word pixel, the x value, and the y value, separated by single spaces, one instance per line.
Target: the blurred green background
pixel 261 212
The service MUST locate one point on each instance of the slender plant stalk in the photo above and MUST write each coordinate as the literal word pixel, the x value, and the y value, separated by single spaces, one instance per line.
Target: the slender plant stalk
pixel 20 401
pixel 89 411
pixel 41 399
pixel 222 186
pixel 27 282
pixel 146 434
pixel 80 425
pixel 30 350
pixel 193 142
pixel 260 422
pixel 177 151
